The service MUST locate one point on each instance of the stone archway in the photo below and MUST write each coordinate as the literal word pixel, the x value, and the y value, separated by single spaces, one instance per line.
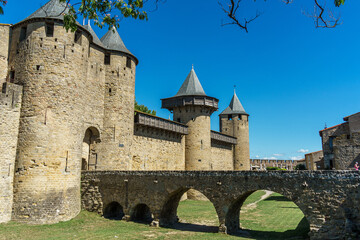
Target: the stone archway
pixel 113 211
pixel 169 213
pixel 141 213
pixel 89 153
pixel 300 224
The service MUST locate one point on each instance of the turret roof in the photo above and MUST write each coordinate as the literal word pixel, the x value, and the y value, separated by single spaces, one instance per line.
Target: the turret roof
pixel 191 86
pixel 112 41
pixel 52 9
pixel 96 40
pixel 235 107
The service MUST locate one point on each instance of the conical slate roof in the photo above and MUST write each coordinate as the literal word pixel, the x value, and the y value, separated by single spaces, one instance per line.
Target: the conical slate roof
pixel 191 86
pixel 96 40
pixel 234 107
pixel 52 9
pixel 112 41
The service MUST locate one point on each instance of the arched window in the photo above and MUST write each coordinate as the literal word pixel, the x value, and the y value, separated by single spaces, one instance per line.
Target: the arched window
pixel 89 154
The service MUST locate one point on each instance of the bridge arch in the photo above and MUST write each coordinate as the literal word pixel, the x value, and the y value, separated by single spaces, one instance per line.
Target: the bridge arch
pixel 168 214
pixel 232 219
pixel 113 211
pixel 141 213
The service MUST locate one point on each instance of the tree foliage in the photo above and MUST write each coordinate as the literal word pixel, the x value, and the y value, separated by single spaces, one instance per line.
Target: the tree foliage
pixel 300 166
pixel 275 169
pixel 144 109
pixel 3 3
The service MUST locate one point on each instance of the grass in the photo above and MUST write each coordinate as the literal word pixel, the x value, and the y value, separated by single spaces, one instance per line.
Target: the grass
pixel 273 218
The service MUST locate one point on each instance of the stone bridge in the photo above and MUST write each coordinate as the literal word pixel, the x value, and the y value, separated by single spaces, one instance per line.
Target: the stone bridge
pixel 330 200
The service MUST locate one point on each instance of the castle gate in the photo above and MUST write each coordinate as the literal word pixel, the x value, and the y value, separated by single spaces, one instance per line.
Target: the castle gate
pixel 330 200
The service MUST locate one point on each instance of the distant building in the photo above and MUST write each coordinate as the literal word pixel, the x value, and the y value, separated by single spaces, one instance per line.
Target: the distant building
pixel 262 164
pixel 341 143
pixel 314 160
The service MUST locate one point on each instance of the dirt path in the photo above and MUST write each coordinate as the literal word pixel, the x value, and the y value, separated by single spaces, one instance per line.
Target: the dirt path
pixel 254 204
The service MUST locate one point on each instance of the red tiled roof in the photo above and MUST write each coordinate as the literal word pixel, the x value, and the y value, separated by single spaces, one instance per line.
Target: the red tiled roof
pixel 331 127
pixel 347 117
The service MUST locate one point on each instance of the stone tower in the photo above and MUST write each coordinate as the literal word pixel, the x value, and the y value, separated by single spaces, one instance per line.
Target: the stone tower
pixel 234 121
pixel 191 106
pixel 78 99
pixel 119 94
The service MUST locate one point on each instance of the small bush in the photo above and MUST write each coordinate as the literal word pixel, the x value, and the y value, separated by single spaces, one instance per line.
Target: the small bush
pixel 275 169
pixel 300 167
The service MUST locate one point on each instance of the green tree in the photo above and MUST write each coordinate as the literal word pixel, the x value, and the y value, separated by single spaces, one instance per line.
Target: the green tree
pixel 300 166
pixel 144 109
pixel 2 2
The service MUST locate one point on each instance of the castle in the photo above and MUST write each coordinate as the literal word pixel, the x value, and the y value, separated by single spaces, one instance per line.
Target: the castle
pixel 67 104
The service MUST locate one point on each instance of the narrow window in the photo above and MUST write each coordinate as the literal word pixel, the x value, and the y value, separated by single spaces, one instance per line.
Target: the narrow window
pixel 107 59
pixel 23 33
pixel 331 143
pixel 50 29
pixel 128 62
pixel 239 116
pixel 229 117
pixel 78 37
pixel 12 76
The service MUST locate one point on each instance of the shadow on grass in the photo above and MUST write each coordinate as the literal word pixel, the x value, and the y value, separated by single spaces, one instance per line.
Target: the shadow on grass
pixel 190 227
pixel 301 232
pixel 277 198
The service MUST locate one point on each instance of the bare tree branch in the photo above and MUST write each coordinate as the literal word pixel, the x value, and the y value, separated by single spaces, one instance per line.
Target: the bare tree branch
pixel 231 9
pixel 323 17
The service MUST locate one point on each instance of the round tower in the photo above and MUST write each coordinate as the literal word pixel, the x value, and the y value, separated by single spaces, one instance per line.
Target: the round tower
pixel 234 121
pixel 193 107
pixel 120 66
pixel 51 64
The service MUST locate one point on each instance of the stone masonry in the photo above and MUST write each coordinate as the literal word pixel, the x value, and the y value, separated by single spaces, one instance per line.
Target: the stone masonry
pixel 4 51
pixel 10 105
pixel 330 200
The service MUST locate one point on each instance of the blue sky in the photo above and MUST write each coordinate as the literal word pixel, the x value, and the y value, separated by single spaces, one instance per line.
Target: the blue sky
pixel 290 77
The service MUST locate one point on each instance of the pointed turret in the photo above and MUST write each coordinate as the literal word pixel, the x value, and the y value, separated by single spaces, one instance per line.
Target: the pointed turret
pixel 191 93
pixel 191 86
pixel 191 106
pixel 234 121
pixel 235 107
pixel 113 41
pixel 53 9
pixel 96 40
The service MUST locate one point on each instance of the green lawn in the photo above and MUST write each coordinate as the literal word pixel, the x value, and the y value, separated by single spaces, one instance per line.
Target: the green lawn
pixel 273 218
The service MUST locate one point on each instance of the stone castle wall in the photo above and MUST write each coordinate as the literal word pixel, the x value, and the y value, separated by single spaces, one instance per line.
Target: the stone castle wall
pixel 156 149
pixel 10 105
pixel 347 151
pixel 4 51
pixel 221 156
